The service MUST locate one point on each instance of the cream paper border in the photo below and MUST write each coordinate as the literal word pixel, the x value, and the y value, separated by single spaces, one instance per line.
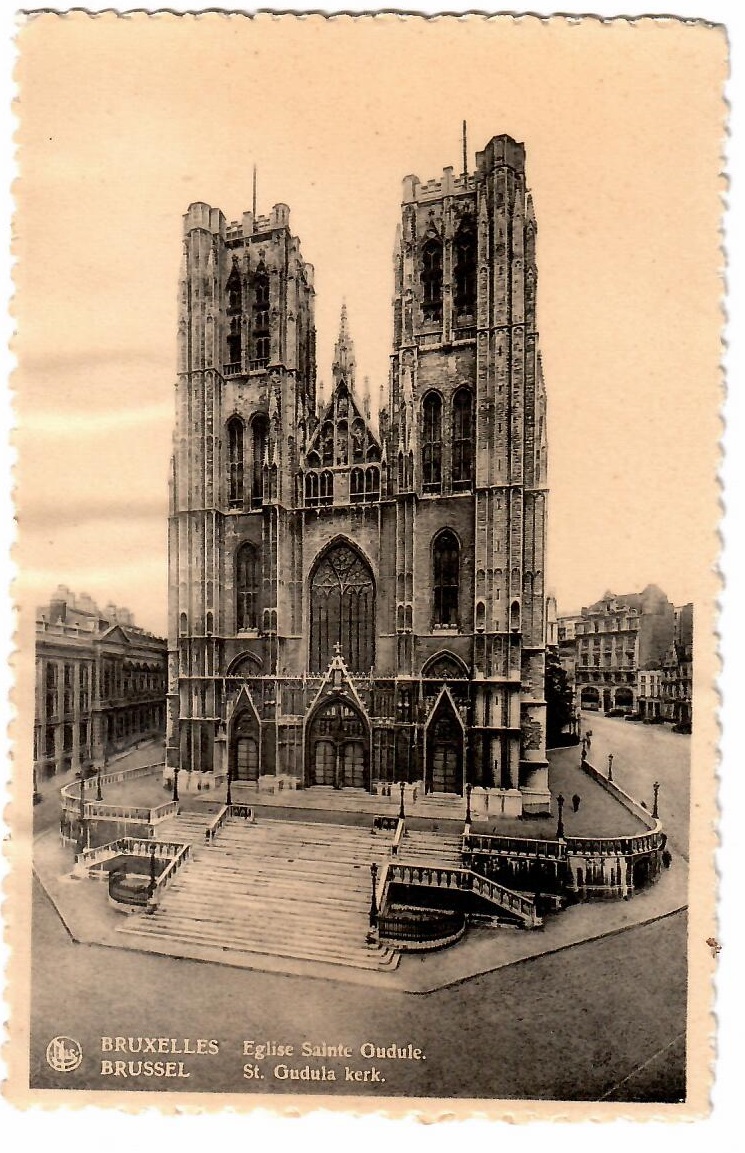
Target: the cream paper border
pixel 702 919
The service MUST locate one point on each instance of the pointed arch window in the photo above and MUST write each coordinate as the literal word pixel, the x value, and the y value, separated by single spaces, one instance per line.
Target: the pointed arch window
pixel 247 584
pixel 431 278
pixel 432 442
pixel 259 438
pixel 446 579
pixel 342 610
pixel 372 485
pixel 261 318
pixel 311 490
pixel 462 439
pixel 235 462
pixel 327 488
pixel 234 343
pixel 234 289
pixel 464 259
pixel 356 485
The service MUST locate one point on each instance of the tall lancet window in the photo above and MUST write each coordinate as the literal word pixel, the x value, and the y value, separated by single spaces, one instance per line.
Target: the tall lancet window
pixel 235 462
pixel 432 442
pixel 464 259
pixel 259 438
pixel 261 326
pixel 446 579
pixel 462 439
pixel 431 278
pixel 247 584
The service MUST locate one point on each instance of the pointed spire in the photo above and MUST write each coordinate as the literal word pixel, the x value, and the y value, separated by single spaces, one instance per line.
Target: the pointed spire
pixel 366 397
pixel 344 361
pixel 320 398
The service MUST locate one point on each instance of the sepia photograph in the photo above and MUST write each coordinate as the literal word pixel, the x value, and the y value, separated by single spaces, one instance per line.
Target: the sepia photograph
pixel 367 411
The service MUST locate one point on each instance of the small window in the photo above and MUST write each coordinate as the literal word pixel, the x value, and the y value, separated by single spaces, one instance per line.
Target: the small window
pixel 259 436
pixel 462 439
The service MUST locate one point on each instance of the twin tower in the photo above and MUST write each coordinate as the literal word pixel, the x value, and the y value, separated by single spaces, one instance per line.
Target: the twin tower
pixel 357 598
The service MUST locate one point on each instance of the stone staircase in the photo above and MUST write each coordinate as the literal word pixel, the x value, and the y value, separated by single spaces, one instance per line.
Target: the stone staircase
pixel 430 849
pixel 187 827
pixel 280 888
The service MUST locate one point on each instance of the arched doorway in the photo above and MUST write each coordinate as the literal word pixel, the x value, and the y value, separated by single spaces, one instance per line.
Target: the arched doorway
pixel 244 748
pixel 590 698
pixel 338 747
pixel 444 767
pixel 342 609
pixel 624 699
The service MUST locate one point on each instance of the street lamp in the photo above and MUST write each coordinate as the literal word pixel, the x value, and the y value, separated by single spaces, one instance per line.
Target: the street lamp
pixel 468 803
pixel 175 782
pixel 99 794
pixel 610 767
pixel 560 824
pixel 81 834
pixel 151 886
pixel 656 787
pixel 229 795
pixel 402 811
pixel 374 899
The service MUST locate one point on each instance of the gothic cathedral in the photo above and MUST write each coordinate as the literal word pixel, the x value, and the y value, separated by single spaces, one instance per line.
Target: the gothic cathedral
pixel 357 599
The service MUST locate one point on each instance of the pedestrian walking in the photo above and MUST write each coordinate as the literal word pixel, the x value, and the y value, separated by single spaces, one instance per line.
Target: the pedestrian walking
pixel 576 802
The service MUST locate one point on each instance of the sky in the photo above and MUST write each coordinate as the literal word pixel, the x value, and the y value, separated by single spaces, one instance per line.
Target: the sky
pixel 124 123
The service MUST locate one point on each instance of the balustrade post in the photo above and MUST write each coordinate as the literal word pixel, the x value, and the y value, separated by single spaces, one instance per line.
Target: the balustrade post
pixel 175 783
pixel 468 803
pixel 610 767
pixel 656 787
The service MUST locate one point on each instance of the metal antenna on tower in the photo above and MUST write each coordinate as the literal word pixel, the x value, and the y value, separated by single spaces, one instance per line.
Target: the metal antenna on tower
pixel 465 150
pixel 254 194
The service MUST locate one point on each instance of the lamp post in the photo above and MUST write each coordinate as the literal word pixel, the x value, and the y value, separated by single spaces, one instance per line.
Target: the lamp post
pixel 175 782
pixel 610 767
pixel 151 886
pixel 36 794
pixel 402 811
pixel 81 833
pixel 229 795
pixel 656 787
pixel 374 899
pixel 468 802
pixel 99 794
pixel 560 824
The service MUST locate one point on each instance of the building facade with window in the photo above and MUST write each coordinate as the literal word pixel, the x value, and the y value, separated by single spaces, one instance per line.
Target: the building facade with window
pixel 100 684
pixel 355 602
pixel 613 639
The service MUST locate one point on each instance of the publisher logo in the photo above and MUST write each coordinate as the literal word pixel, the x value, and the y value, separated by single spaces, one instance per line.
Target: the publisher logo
pixel 64 1054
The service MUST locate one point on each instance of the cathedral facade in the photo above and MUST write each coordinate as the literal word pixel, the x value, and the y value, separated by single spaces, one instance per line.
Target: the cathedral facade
pixel 358 600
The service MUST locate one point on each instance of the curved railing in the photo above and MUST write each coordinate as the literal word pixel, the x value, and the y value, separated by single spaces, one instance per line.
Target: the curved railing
pixel 129 890
pixel 93 809
pixel 411 927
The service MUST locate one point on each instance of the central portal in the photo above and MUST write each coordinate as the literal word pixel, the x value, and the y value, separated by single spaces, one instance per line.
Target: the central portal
pixel 338 747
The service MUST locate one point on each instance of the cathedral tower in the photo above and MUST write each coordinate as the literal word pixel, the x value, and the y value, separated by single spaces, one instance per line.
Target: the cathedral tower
pixel 467 424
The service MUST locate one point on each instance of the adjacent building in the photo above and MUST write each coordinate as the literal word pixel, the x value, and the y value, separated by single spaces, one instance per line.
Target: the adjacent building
pixel 100 683
pixel 355 602
pixel 612 641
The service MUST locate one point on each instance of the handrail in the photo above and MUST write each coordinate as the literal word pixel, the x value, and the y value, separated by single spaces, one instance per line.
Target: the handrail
pixel 398 836
pixel 216 823
pixel 168 874
pixel 131 846
pixel 437 877
pixel 102 810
